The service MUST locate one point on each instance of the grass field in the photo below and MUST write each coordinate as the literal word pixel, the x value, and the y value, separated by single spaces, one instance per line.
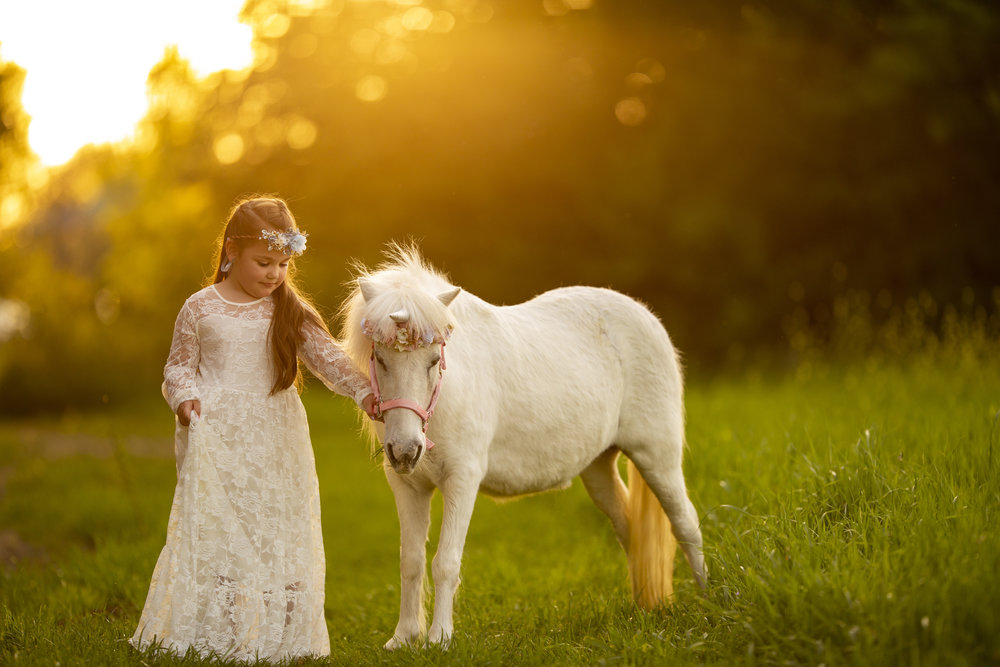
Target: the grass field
pixel 849 518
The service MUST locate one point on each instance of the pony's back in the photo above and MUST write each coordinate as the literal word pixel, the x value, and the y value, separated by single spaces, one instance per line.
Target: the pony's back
pixel 573 370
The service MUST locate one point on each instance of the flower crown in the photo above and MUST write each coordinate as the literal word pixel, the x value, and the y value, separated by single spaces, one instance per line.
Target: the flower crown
pixel 292 242
pixel 405 338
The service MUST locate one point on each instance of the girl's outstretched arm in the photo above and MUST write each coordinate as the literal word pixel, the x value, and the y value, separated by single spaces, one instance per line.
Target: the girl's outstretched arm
pixel 326 360
pixel 179 374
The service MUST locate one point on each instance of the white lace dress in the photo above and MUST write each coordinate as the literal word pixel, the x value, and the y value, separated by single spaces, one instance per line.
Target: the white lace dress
pixel 242 571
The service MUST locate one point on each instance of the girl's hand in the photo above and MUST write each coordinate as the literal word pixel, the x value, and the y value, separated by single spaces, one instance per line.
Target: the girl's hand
pixel 186 409
pixel 368 405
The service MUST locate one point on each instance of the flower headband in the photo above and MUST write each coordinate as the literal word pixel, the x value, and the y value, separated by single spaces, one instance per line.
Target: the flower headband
pixel 292 242
pixel 405 338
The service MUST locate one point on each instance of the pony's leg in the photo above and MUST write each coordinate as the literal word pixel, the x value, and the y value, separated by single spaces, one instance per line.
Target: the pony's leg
pixel 459 499
pixel 668 485
pixel 413 504
pixel 607 490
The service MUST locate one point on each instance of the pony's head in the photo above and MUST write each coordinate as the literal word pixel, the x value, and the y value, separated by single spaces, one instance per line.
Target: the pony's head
pixel 401 314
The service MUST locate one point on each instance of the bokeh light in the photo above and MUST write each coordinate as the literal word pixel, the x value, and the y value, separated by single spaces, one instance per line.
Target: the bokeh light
pixel 630 111
pixel 301 133
pixel 371 88
pixel 229 148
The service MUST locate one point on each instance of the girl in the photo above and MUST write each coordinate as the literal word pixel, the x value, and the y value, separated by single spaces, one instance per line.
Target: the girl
pixel 242 572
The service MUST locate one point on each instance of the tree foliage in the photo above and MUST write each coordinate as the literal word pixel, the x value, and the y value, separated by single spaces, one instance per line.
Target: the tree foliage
pixel 738 166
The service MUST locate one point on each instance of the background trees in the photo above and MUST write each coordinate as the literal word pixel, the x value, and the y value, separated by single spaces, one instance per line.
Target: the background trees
pixel 749 170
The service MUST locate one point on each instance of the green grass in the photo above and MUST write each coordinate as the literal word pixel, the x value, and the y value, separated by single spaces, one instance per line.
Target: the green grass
pixel 849 518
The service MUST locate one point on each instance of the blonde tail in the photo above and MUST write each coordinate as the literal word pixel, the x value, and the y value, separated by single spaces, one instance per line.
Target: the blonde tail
pixel 651 545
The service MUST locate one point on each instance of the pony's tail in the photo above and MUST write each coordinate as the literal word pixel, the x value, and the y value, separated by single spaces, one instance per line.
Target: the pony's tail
pixel 651 545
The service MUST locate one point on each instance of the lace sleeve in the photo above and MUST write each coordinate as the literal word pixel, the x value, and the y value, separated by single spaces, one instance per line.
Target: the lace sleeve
pixel 182 362
pixel 327 361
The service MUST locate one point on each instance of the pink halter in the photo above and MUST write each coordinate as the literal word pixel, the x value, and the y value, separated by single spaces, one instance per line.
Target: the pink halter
pixel 382 407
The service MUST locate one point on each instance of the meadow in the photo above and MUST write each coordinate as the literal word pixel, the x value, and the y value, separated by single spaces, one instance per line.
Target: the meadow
pixel 849 516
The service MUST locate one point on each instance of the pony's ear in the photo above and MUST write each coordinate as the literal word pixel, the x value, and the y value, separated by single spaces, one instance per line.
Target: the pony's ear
pixel 367 288
pixel 447 297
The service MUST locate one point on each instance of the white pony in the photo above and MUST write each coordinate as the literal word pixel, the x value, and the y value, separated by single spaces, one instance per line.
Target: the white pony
pixel 533 395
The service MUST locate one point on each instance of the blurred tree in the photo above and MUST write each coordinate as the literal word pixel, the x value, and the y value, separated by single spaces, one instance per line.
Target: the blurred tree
pixel 15 154
pixel 738 166
pixel 16 162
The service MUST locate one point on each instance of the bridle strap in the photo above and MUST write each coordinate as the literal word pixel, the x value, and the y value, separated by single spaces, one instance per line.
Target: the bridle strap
pixel 381 407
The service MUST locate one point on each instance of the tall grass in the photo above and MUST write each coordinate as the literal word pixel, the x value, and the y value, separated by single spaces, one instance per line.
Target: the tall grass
pixel 849 517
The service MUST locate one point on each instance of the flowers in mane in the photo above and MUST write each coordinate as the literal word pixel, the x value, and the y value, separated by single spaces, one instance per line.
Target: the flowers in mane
pixel 292 242
pixel 404 337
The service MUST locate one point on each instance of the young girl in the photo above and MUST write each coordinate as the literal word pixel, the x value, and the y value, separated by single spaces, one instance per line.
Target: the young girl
pixel 242 572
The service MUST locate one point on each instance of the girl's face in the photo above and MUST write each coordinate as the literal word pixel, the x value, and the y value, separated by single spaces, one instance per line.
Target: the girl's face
pixel 257 270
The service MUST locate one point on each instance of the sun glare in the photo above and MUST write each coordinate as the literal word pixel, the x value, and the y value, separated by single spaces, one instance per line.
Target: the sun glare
pixel 87 62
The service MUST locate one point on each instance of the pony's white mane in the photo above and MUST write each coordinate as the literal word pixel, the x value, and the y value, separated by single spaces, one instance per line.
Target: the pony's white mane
pixel 403 282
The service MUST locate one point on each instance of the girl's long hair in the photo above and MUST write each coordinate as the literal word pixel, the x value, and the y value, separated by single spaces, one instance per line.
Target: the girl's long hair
pixel 292 310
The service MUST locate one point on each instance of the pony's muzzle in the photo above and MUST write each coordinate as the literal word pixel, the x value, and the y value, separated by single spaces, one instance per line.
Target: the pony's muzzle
pixel 403 457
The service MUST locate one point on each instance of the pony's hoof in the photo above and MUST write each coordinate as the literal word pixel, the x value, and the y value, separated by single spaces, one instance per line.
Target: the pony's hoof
pixel 701 573
pixel 439 637
pixel 395 643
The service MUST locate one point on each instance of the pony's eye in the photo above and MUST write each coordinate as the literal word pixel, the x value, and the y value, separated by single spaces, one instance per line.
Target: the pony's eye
pixel 378 358
pixel 434 362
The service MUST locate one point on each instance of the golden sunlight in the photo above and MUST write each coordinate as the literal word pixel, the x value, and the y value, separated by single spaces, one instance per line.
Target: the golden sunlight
pixel 87 62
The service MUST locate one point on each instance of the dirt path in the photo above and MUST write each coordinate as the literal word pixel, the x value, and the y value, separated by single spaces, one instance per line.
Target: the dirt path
pixel 52 445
